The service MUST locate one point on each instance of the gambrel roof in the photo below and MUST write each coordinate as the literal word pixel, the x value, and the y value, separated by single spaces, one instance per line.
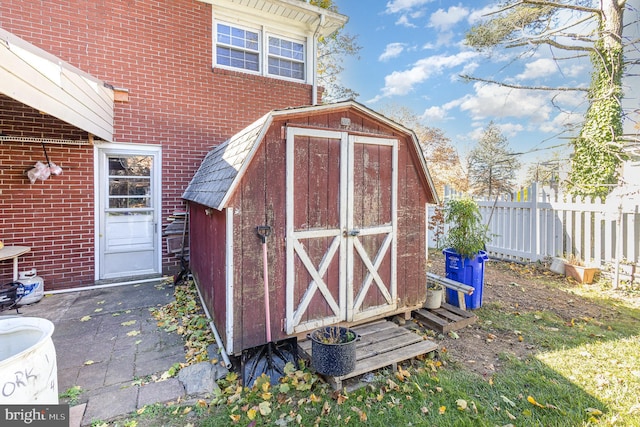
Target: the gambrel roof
pixel 223 167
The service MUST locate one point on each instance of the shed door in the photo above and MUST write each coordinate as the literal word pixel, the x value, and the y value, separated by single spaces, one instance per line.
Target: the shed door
pixel 341 227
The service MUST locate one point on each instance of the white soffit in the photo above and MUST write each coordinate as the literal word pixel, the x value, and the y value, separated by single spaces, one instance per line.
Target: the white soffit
pixel 44 82
pixel 296 13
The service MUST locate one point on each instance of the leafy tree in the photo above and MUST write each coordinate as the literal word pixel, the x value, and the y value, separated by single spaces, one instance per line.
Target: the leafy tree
pixel 442 158
pixel 332 52
pixel 491 166
pixel 577 28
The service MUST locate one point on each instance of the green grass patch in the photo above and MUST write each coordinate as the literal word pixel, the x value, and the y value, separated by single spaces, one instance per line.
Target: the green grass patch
pixel 584 372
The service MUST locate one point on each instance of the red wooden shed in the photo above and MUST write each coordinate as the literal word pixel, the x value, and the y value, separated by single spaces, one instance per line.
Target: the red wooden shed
pixel 345 191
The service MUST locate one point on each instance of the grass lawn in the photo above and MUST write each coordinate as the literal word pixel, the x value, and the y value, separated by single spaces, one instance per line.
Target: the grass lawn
pixel 580 371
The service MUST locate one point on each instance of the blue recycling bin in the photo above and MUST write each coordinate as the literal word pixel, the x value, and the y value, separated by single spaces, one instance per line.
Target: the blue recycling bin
pixel 467 271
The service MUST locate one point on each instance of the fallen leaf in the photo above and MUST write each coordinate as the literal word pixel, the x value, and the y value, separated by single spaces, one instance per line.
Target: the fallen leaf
pixel 265 408
pixel 251 413
pixel 511 417
pixel 462 404
pixel 531 400
pixel 97 310
pixel 424 410
pixel 360 412
pixel 508 401
pixel 128 323
pixel 235 418
pixel 133 333
pixel 89 362
pixel 593 411
pixel 326 408
pixel 442 409
pixel 85 318
pixel 187 410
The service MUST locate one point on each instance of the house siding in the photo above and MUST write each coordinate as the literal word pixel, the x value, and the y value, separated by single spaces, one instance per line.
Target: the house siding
pixel 161 52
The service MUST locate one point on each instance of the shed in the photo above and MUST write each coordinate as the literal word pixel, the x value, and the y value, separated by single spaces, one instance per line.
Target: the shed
pixel 345 192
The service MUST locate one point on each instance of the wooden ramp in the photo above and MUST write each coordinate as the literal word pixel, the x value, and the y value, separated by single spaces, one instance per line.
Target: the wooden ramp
pixel 383 344
pixel 445 319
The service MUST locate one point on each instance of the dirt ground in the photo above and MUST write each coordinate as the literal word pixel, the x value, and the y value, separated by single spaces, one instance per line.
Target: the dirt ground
pixel 514 288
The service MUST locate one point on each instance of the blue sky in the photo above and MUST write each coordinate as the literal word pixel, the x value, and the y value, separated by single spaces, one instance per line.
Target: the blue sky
pixel 412 55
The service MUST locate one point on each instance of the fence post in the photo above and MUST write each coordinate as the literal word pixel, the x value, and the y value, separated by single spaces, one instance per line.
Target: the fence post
pixel 535 222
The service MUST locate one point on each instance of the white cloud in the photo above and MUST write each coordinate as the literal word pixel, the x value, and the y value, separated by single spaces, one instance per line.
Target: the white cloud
pixel 396 6
pixel 402 82
pixel 544 67
pixel 493 101
pixel 510 129
pixel 478 15
pixel 404 21
pixel 434 114
pixel 444 20
pixel 391 51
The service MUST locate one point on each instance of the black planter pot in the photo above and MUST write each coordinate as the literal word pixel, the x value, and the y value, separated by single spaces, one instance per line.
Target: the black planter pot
pixel 333 358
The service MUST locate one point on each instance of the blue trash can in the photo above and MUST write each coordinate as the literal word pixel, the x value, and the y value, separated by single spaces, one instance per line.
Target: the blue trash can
pixel 467 271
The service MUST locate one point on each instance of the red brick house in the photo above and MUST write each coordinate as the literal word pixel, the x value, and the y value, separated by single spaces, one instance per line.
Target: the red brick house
pixel 127 98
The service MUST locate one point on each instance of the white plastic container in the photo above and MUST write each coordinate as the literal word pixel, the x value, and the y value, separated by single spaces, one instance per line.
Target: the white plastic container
pixel 28 368
pixel 32 289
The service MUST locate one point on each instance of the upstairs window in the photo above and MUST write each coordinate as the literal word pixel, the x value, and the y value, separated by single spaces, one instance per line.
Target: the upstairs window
pixel 238 48
pixel 286 58
pixel 245 49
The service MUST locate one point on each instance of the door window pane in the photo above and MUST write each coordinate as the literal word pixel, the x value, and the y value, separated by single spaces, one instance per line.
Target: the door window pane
pixel 129 182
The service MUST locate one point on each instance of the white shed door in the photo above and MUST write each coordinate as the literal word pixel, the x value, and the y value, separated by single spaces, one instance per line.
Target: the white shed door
pixel 341 227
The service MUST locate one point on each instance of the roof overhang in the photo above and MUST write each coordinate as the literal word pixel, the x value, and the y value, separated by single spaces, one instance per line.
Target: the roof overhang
pixel 297 13
pixel 44 82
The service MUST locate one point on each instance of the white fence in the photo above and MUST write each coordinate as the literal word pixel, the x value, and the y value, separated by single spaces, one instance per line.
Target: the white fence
pixel 539 222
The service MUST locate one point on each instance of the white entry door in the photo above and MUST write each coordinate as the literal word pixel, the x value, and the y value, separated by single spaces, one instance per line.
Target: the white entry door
pixel 341 227
pixel 128 235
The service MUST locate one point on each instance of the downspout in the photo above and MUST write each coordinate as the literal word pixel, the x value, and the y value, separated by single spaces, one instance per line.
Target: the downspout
pixel 223 352
pixel 314 94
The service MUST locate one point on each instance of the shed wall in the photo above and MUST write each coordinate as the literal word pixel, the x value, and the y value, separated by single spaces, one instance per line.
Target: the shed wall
pixel 260 199
pixel 207 262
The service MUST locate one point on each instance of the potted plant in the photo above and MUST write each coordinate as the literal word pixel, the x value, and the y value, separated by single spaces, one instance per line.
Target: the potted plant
pixel 465 244
pixel 435 292
pixel 576 269
pixel 333 350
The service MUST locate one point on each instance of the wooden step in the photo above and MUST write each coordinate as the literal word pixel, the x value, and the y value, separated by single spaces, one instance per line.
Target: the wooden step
pixel 445 319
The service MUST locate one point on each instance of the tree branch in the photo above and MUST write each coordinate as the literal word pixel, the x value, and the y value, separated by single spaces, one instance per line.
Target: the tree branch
pixel 551 43
pixel 548 88
pixel 561 6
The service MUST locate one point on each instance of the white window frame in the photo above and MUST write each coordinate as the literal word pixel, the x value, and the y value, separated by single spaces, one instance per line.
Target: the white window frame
pixel 263 49
pixel 268 55
pixel 244 28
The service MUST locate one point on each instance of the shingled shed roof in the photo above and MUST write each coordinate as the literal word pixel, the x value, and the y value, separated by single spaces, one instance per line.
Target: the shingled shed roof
pixel 223 167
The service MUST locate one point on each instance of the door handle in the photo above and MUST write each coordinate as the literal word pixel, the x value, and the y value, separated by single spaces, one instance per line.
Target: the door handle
pixel 351 233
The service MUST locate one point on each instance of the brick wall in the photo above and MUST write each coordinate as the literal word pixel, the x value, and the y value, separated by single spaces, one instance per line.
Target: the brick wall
pixel 161 52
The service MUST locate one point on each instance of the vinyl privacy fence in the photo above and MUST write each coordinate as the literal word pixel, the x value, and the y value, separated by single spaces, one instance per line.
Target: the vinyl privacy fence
pixel 540 222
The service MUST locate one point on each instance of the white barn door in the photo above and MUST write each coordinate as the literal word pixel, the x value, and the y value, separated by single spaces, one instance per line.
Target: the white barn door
pixel 341 227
